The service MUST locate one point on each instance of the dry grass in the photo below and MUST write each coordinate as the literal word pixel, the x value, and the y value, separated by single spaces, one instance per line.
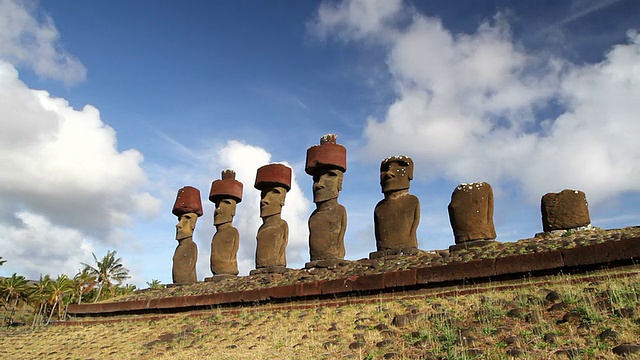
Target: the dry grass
pixel 486 325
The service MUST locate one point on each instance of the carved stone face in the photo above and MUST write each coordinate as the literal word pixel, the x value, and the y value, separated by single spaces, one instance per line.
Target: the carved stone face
pixel 327 185
pixel 225 211
pixel 394 176
pixel 272 200
pixel 186 225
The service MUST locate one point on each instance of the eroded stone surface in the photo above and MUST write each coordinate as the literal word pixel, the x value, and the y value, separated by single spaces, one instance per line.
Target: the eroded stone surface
pixel 273 181
pixel 327 163
pixel 471 212
pixel 565 210
pixel 396 217
pixel 187 207
pixel 225 193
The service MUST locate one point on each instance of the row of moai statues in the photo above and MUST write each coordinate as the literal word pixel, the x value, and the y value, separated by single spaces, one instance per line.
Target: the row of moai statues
pixel 396 216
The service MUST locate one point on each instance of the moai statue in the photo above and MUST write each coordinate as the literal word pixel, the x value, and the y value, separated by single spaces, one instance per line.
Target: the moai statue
pixel 565 210
pixel 273 181
pixel 328 222
pixel 226 194
pixel 471 215
pixel 396 217
pixel 188 207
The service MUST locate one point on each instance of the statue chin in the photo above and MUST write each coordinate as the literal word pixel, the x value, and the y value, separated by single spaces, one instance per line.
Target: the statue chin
pixel 324 197
pixel 222 220
pixel 394 186
pixel 265 212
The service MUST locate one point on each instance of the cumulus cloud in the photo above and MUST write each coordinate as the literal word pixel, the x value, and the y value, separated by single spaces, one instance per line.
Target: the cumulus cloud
pixel 63 171
pixel 36 246
pixel 479 106
pixel 65 187
pixel 26 40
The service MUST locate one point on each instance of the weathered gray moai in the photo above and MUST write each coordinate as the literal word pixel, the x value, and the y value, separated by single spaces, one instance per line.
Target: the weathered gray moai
pixel 471 214
pixel 396 217
pixel 273 181
pixel 565 210
pixel 226 193
pixel 188 207
pixel 327 164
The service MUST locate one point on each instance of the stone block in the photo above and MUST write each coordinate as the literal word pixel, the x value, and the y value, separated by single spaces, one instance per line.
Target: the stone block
pixel 311 288
pixel 255 295
pixel 285 291
pixel 338 285
pixel 369 282
pixel 456 271
pixel 529 262
pixel 603 253
pixel 400 278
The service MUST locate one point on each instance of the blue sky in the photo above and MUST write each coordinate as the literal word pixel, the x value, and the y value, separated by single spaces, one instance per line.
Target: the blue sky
pixel 109 108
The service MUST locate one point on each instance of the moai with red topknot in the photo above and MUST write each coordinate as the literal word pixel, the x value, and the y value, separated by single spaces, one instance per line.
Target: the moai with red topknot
pixel 327 164
pixel 396 217
pixel 273 181
pixel 471 215
pixel 188 207
pixel 226 193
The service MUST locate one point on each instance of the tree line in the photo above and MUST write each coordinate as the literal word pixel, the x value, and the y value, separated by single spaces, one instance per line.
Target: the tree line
pixel 49 297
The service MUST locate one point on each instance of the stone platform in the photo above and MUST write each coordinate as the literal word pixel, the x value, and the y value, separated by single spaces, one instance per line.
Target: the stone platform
pixel 497 261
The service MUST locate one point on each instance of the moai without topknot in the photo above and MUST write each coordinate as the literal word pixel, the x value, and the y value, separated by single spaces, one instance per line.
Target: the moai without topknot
pixel 226 193
pixel 471 215
pixel 273 181
pixel 327 164
pixel 565 210
pixel 396 217
pixel 188 207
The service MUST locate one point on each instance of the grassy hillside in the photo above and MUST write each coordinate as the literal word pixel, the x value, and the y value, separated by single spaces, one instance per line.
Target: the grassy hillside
pixel 579 316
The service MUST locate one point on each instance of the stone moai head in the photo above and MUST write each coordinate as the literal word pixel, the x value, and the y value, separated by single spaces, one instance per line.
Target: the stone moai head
pixel 395 173
pixel 565 210
pixel 188 207
pixel 225 193
pixel 273 181
pixel 327 164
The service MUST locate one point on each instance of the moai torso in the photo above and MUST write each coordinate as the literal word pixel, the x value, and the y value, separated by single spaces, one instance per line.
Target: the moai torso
pixel 565 210
pixel 471 212
pixel 396 221
pixel 184 262
pixel 272 241
pixel 327 225
pixel 224 248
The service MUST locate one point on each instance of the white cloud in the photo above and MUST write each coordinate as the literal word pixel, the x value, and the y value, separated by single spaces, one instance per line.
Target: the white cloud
pixel 26 41
pixel 62 168
pixel 477 106
pixel 36 246
pixel 356 19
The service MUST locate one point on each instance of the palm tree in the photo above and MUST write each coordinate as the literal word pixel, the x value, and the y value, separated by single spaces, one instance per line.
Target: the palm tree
pixel 60 293
pixel 107 271
pixel 155 284
pixel 84 282
pixel 39 298
pixel 15 289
